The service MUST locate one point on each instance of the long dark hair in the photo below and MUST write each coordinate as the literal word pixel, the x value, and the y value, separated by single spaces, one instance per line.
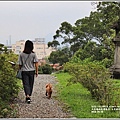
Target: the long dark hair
pixel 28 48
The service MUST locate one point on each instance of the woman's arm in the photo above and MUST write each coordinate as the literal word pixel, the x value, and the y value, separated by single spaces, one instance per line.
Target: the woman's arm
pixel 36 68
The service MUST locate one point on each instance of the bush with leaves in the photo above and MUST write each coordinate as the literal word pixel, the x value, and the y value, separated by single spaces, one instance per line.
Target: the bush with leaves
pixel 40 70
pixel 8 84
pixel 45 69
pixel 95 77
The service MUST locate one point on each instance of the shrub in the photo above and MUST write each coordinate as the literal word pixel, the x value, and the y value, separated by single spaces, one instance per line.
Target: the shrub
pixel 45 69
pixel 40 70
pixel 93 76
pixel 8 85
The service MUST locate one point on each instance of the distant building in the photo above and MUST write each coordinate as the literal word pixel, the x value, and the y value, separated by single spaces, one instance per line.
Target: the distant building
pixel 40 48
pixel 9 47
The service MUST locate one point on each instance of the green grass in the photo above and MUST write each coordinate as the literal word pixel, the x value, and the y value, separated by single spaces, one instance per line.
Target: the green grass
pixel 78 99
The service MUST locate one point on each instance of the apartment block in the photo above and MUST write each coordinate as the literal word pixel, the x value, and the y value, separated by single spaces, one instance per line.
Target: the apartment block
pixel 40 48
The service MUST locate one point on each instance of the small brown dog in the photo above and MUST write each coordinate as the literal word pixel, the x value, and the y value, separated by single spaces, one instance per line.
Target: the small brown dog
pixel 49 90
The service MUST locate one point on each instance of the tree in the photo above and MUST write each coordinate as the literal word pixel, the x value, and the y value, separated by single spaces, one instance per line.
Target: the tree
pixel 98 27
pixel 54 44
pixel 66 32
pixel 60 56
pixel 110 12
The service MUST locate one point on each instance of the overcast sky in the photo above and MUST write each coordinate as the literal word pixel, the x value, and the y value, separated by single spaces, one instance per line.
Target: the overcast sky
pixel 38 19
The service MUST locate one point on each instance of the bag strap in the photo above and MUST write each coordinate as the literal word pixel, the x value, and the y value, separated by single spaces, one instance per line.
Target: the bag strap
pixel 25 60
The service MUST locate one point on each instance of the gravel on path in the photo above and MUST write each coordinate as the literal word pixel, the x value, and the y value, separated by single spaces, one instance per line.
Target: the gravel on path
pixel 41 106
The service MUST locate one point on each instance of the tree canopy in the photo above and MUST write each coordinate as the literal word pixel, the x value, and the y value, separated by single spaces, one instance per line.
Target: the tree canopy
pixel 92 35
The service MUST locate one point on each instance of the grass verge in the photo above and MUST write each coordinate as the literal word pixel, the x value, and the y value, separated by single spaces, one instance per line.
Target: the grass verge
pixel 79 101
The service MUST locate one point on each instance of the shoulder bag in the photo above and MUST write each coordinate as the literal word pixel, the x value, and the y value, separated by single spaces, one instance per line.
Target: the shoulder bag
pixel 19 72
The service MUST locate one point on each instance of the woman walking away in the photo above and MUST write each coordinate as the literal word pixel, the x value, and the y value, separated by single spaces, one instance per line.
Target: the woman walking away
pixel 28 63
